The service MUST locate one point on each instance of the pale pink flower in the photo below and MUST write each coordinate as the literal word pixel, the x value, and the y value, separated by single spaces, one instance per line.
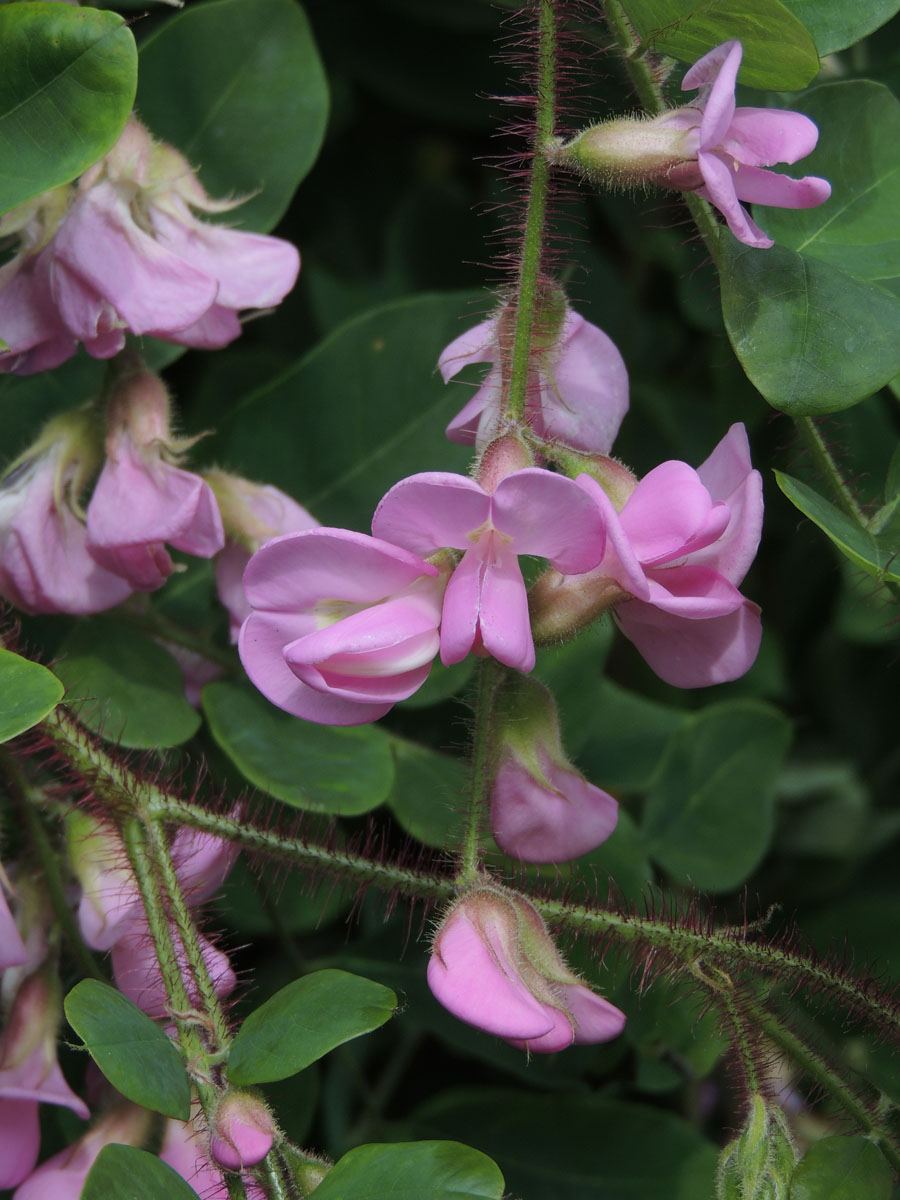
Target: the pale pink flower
pixel 343 625
pixel 577 388
pixel 252 515
pixel 680 546
pixel 30 1075
pixel 127 254
pixel 494 966
pixel 542 809
pixel 45 566
pixel 142 499
pixel 530 511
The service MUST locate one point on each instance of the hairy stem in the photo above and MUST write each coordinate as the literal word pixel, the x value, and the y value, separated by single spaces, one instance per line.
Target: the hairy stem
pixel 826 466
pixel 533 236
pixel 490 677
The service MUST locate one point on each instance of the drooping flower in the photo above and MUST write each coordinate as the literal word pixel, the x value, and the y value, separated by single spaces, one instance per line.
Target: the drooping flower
pixel 45 566
pixel 710 147
pixel 530 511
pixel 674 557
pixel 542 809
pixel 30 1075
pixel 121 252
pixel 343 625
pixel 142 499
pixel 252 515
pixel 494 966
pixel 577 389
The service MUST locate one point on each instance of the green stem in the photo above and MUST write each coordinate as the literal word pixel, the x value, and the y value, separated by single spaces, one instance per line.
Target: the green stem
pixel 828 469
pixel 490 677
pixel 533 236
pixel 25 799
pixel 828 1079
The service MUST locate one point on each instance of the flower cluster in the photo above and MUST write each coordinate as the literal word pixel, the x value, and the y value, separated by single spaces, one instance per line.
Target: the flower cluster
pixel 122 252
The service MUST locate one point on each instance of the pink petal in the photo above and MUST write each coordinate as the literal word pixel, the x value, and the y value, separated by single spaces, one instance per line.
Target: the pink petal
pixel 429 511
pixel 707 69
pixel 262 640
pixel 554 824
pixel 503 620
pixel 559 1037
pixel 84 311
pixel 478 984
pixel 584 394
pixel 759 137
pixel 473 423
pixel 718 103
pixel 780 191
pixel 720 191
pixel 300 571
pixel 137 975
pixel 39 1078
pixel 230 566
pixel 462 602
pixel 596 1020
pixel 385 639
pixel 363 689
pixel 148 286
pixel 728 475
pixel 182 1149
pixel 28 316
pixel 695 592
pixel 552 516
pixel 692 654
pixel 252 269
pixel 20 1142
pixel 12 948
pixel 217 327
pixel 619 562
pixel 478 344
pixel 202 862
pixel 670 513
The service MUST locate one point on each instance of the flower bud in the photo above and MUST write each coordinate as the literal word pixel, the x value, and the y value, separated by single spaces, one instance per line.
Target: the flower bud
pixel 242 1133
pixel 542 809
pixel 632 152
pixel 494 965
pixel 759 1163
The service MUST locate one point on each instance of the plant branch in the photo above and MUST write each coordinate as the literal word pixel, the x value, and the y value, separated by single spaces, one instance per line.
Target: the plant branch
pixel 490 677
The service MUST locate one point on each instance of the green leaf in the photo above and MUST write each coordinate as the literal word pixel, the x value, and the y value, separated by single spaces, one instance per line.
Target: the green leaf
pixel 413 1171
pixel 316 767
pixel 28 692
pixel 810 337
pixel 68 84
pixel 835 24
pixel 131 1050
pixel 710 815
pixel 131 688
pixel 428 794
pixel 131 1174
pixel 842 1168
pixel 858 228
pixel 574 1146
pixel 622 741
pixel 778 51
pixel 347 429
pixel 303 1021
pixel 238 87
pixel 877 556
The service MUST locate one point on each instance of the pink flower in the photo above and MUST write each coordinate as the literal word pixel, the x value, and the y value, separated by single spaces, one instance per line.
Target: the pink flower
pixel 45 566
pixel 252 514
pixel 494 966
pixel 128 255
pixel 679 548
pixel 142 500
pixel 577 390
pixel 137 974
pixel 30 1075
pixel 182 1151
pixel 542 809
pixel 243 1131
pixel 343 625
pixel 530 511
pixel 729 146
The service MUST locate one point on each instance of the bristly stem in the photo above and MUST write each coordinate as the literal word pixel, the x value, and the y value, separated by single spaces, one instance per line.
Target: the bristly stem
pixel 527 284
pixel 828 469
pixel 490 677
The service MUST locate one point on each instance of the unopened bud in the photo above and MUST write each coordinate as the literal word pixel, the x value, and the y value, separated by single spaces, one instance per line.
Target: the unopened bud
pixel 759 1163
pixel 634 152
pixel 242 1133
pixel 561 605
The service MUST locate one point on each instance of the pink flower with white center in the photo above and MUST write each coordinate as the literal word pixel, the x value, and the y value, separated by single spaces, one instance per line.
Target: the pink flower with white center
pixel 677 550
pixel 494 966
pixel 142 500
pixel 530 511
pixel 577 389
pixel 252 514
pixel 30 1075
pixel 45 566
pixel 710 147
pixel 123 252
pixel 343 625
